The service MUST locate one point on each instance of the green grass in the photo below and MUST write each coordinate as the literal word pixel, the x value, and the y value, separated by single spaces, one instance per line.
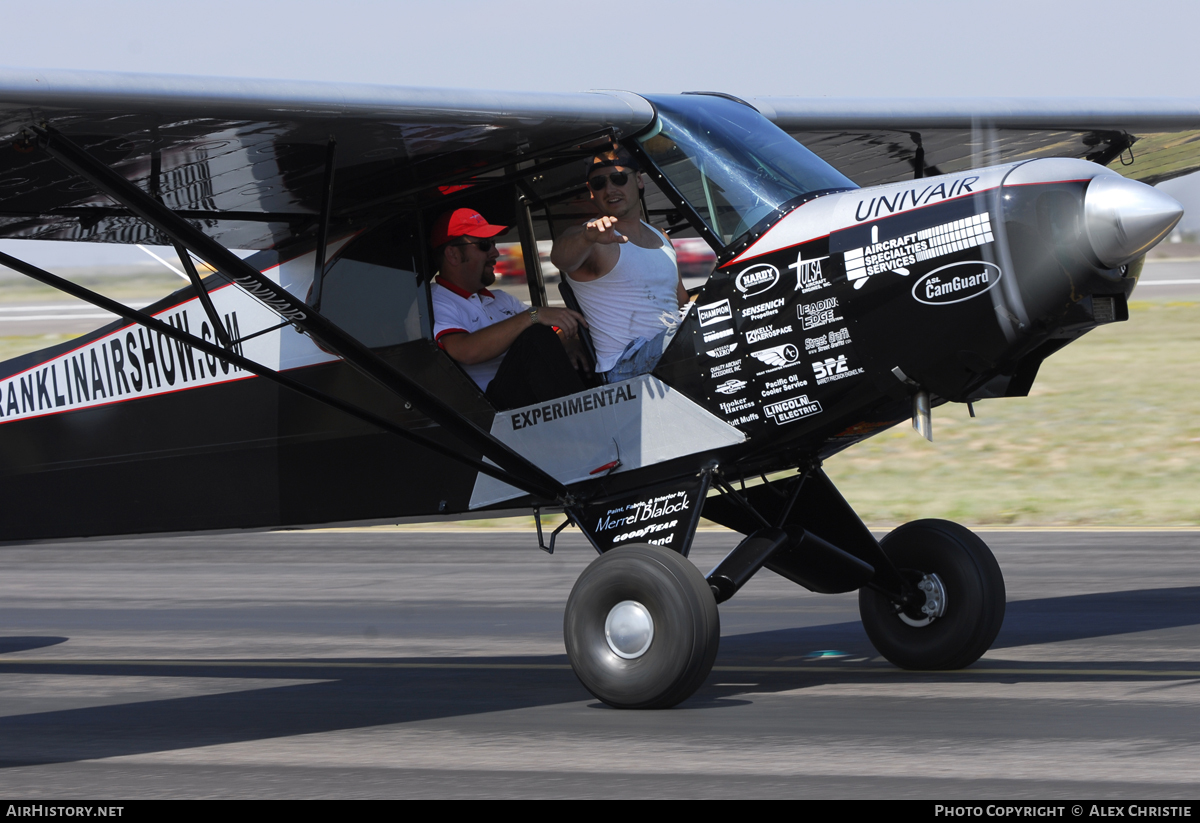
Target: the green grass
pixel 14 346
pixel 131 285
pixel 135 284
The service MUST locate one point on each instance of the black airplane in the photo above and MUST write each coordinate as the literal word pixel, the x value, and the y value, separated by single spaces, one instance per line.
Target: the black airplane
pixel 302 386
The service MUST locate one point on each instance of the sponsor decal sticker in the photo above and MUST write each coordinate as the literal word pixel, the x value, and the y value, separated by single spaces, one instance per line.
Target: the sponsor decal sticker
pixel 745 418
pixel 724 369
pixel 794 408
pixel 827 341
pixel 820 313
pixel 718 334
pixel 956 282
pixel 756 279
pixel 714 312
pixel 722 351
pixel 785 355
pixel 900 252
pixel 891 255
pixel 833 368
pixel 130 363
pixel 782 385
pixel 894 202
pixel 638 512
pixel 731 386
pixel 649 529
pixel 766 333
pixel 808 274
pixel 571 406
pixel 761 310
pixel 660 516
pixel 736 405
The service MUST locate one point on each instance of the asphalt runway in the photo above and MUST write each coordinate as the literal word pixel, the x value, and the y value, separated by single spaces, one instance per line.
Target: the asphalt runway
pixel 1169 280
pixel 430 664
pixel 39 317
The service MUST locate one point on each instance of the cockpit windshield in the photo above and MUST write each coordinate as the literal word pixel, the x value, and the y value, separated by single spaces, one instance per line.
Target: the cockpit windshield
pixel 734 166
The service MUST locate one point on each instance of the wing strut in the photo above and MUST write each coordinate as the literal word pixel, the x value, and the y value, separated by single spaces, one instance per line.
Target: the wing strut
pixel 532 478
pixel 323 234
pixel 185 260
pixel 167 330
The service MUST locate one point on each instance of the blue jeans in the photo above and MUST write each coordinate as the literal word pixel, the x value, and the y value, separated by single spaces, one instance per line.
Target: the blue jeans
pixel 639 357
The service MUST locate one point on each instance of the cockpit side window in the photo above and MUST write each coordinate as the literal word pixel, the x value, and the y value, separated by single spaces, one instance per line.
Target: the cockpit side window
pixel 373 289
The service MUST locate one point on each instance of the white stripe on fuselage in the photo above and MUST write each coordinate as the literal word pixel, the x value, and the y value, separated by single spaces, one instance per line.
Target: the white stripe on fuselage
pixel 836 212
pixel 134 362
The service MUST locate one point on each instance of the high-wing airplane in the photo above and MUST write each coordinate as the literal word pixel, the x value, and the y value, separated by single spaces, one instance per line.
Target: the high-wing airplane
pixel 874 261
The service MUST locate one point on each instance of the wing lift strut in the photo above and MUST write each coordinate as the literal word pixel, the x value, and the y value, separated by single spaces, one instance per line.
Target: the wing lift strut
pixel 505 464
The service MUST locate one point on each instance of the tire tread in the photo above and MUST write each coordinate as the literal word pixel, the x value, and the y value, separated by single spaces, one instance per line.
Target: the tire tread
pixel 910 546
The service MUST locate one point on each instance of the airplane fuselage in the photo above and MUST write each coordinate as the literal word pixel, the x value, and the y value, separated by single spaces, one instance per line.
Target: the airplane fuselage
pixel 812 335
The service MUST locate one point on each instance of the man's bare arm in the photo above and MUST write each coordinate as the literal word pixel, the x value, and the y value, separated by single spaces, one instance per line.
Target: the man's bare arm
pixel 578 355
pixel 494 340
pixel 573 248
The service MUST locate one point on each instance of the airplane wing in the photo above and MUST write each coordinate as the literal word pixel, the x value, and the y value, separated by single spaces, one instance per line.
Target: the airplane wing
pixel 876 141
pixel 246 159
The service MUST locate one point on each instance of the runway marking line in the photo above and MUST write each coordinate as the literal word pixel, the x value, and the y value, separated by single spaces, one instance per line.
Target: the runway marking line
pixel 284 664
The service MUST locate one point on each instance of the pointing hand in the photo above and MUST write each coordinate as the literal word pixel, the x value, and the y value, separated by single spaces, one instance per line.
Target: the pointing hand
pixel 604 230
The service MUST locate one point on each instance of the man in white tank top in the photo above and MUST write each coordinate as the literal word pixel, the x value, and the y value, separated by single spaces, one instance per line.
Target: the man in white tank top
pixel 622 271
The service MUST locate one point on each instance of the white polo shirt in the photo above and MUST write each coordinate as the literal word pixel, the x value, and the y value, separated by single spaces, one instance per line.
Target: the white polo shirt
pixel 456 311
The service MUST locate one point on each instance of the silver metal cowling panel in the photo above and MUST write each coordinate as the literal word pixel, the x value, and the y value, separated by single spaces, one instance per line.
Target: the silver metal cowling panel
pixel 641 421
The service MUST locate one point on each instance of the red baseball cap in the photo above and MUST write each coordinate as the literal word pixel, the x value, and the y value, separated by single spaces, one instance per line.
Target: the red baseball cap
pixel 460 223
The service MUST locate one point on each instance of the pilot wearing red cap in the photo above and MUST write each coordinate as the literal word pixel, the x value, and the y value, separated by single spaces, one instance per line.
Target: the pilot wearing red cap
pixel 509 349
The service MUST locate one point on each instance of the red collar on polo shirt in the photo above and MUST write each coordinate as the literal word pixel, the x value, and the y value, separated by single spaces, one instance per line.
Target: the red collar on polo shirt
pixel 463 293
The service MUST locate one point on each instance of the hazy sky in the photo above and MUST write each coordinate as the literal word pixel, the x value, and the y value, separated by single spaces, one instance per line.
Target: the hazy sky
pixel 750 47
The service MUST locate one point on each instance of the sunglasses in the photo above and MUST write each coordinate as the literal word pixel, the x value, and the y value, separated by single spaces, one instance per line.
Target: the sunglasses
pixel 484 246
pixel 618 178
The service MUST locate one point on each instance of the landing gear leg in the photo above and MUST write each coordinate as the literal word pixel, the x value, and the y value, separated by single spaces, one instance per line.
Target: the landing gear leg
pixel 963 605
pixel 641 628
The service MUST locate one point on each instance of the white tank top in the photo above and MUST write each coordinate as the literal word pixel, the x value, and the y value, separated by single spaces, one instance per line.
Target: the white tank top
pixel 638 298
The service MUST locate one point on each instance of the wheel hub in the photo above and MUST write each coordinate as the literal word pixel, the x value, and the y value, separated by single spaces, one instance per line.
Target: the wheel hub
pixel 629 629
pixel 935 602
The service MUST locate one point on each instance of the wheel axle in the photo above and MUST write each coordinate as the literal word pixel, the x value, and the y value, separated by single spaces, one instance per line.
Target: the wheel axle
pixel 934 594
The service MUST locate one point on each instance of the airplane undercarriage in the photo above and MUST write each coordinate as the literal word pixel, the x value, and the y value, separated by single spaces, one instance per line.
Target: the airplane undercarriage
pixel 642 627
